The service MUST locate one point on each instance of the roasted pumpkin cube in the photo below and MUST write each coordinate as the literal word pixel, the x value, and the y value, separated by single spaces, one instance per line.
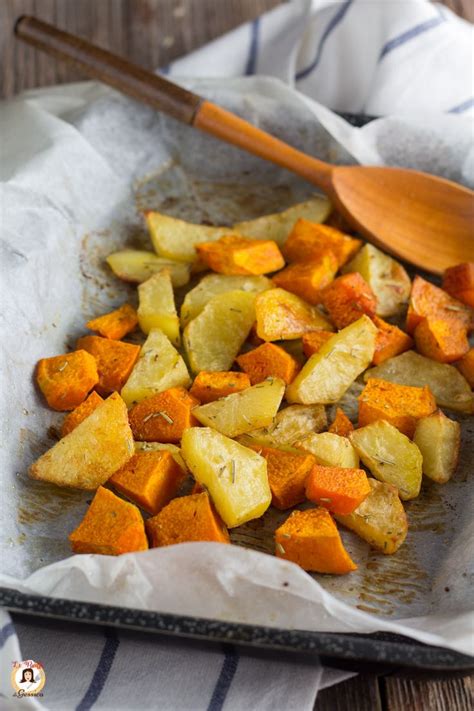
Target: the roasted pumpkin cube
pixel 233 254
pixel 401 405
pixel 149 479
pixel 66 380
pixel 458 281
pixel 347 298
pixel 390 341
pixel 341 424
pixel 268 360
pixel 313 341
pixel 189 518
pixel 444 341
pixel 115 324
pixel 466 366
pixel 80 413
pixel 287 474
pixel 164 416
pixel 311 540
pixel 114 359
pixel 429 301
pixel 438 438
pixel 210 386
pixel 111 526
pixel 306 279
pixel 380 519
pixel 310 241
pixel 282 315
pixel 338 489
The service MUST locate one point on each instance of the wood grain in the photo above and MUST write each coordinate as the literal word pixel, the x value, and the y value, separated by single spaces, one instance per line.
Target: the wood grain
pixel 417 695
pixel 361 693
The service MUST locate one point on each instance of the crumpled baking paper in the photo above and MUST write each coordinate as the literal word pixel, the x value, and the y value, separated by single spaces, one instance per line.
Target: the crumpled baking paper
pixel 79 164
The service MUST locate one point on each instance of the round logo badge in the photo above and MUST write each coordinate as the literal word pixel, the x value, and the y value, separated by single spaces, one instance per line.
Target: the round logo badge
pixel 28 678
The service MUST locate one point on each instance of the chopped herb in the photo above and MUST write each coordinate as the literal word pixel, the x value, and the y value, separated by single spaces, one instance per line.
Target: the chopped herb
pixel 285 535
pixel 221 471
pixel 62 366
pixel 455 308
pixel 321 498
pixel 232 470
pixel 280 548
pixel 162 414
pixel 384 460
pixel 237 311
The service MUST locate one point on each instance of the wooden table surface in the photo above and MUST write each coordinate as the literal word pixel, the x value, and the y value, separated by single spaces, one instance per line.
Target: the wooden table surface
pixel 153 33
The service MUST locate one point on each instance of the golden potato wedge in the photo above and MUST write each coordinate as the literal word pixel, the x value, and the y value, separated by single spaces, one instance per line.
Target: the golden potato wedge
pixel 156 307
pixel 244 411
pixel 176 239
pixel 159 367
pixel 330 450
pixel 213 339
pixel 438 438
pixel 135 265
pixel 282 315
pixel 213 284
pixel 385 276
pixel 235 477
pixel 329 373
pixel 291 424
pixel 390 456
pixel 449 387
pixel 86 457
pixel 278 226
pixel 160 446
pixel 380 519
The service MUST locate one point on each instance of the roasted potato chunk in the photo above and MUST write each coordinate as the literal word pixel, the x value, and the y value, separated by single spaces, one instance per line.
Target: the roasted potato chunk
pixel 213 339
pixel 86 457
pixel 244 411
pixel 291 424
pixel 235 477
pixel 330 372
pixel 380 519
pixel 135 266
pixel 390 456
pixel 156 307
pixel 448 386
pixel 438 438
pixel 330 450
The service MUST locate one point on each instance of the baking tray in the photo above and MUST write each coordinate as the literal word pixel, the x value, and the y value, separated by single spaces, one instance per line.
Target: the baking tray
pixel 381 652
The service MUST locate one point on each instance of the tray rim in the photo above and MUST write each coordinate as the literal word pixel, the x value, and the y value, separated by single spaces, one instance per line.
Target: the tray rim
pixel 380 648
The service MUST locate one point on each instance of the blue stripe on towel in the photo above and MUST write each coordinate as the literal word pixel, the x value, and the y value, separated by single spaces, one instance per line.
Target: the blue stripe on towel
pixel 6 632
pixel 102 671
pixel 221 689
pixel 335 20
pixel 251 65
pixel 411 34
pixel 469 103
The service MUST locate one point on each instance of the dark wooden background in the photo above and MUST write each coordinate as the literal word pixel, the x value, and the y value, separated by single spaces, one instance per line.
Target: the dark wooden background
pixel 152 33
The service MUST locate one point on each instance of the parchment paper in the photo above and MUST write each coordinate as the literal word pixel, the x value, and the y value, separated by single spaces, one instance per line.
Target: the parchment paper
pixel 79 164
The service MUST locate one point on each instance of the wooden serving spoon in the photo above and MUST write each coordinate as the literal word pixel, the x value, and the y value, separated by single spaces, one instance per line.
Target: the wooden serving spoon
pixel 420 218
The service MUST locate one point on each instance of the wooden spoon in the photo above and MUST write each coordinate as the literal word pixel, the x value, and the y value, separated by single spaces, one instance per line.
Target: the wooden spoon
pixel 420 218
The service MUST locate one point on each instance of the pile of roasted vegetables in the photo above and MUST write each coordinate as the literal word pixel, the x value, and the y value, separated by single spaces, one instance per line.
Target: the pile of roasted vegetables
pixel 232 391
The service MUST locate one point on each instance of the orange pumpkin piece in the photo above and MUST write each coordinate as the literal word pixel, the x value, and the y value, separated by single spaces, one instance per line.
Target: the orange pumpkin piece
pixel 400 405
pixel 239 255
pixel 466 366
pixel 188 518
pixel 341 425
pixel 390 341
pixel 111 526
pixel 282 315
pixel 80 413
pixel 429 301
pixel 149 479
pixel 306 279
pixel 311 539
pixel 348 298
pixel 458 281
pixel 115 324
pixel 66 380
pixel 313 341
pixel 287 474
pixel 210 386
pixel 443 341
pixel 309 241
pixel 338 489
pixel 114 359
pixel 163 417
pixel 268 360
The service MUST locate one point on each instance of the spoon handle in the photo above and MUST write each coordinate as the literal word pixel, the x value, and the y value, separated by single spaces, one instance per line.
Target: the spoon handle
pixel 163 95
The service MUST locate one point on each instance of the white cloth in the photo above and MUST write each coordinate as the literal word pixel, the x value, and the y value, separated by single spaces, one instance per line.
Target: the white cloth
pixel 359 56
